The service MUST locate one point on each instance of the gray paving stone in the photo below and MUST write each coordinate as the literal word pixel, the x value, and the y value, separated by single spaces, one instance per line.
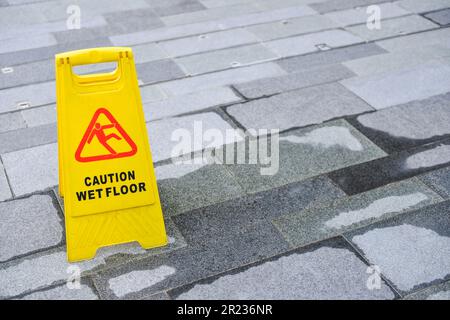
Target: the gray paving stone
pixel 151 93
pixel 63 293
pixel 393 27
pixel 225 59
pixel 438 180
pixel 39 271
pixel 24 43
pixel 157 296
pixel 210 14
pixel 207 42
pixel 411 250
pixel 223 219
pixel 18 2
pixel 32 169
pixel 32 72
pixel 438 292
pixel 66 37
pixel 324 58
pixel 329 271
pixel 174 137
pixel 189 103
pixel 48 27
pixel 11 121
pixel 148 52
pixel 305 153
pixel 408 125
pixel 173 7
pixel 422 39
pixel 57 11
pixel 342 215
pixel 138 280
pixel 291 27
pixel 27 137
pixel 442 17
pixel 267 16
pixel 315 104
pixel 133 20
pixel 277 4
pixel 223 3
pixel 417 83
pixel 156 71
pixel 398 166
pixel 39 116
pixel 424 6
pixel 292 81
pixel 222 78
pixel 187 186
pixel 165 33
pixel 308 43
pixel 397 60
pixel 13 16
pixel 29 225
pixel 335 5
pixel 44 53
pixel 359 14
pixel 5 191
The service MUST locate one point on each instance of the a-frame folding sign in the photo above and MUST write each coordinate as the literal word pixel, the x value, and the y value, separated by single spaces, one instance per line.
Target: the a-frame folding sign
pixel 106 172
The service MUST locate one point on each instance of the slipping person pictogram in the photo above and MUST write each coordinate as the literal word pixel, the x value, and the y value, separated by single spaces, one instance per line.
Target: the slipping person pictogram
pixel 96 130
pixel 99 132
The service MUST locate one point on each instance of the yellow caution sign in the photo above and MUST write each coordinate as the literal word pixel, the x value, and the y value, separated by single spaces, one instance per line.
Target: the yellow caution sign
pixel 105 165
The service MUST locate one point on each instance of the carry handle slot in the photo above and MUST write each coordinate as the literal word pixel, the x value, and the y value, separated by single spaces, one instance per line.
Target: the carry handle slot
pixel 92 68
pixel 95 56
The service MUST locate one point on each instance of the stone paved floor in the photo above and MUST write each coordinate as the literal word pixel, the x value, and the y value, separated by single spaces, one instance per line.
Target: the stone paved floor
pixel 364 172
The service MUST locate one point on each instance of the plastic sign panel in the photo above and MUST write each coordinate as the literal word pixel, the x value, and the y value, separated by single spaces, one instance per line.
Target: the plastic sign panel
pixel 105 165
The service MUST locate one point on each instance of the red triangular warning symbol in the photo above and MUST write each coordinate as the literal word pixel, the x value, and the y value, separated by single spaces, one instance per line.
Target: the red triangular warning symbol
pixel 103 133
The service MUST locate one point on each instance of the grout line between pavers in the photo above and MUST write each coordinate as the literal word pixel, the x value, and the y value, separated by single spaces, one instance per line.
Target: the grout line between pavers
pixel 229 118
pixel 24 256
pixel 88 279
pixel 432 11
pixel 353 118
pixel 361 255
pixel 31 147
pixel 423 15
pixel 430 186
pixel 16 110
pixel 354 7
pixel 421 290
pixel 59 214
pixel 212 108
pixel 24 294
pixel 7 180
pixel 94 271
pixel 93 286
